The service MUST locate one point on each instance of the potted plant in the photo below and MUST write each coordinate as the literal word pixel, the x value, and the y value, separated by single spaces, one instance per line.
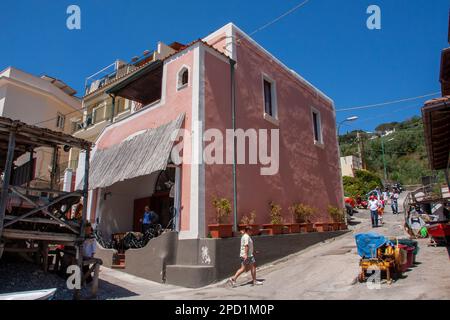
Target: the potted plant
pixel 338 217
pixel 276 220
pixel 249 220
pixel 221 229
pixel 301 214
pixel 294 226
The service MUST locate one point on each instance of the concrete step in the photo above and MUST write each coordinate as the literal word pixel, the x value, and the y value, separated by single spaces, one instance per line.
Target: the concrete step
pixel 118 266
pixel 191 276
pixel 119 259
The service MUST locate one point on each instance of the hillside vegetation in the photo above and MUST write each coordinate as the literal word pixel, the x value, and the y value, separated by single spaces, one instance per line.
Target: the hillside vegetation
pixel 405 151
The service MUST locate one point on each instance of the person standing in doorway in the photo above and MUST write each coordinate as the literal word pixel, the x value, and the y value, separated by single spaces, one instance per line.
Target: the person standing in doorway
pixel 247 259
pixel 394 202
pixel 373 207
pixel 148 218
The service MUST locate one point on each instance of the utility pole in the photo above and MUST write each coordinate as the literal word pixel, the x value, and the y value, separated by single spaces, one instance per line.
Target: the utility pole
pixel 361 149
pixel 384 159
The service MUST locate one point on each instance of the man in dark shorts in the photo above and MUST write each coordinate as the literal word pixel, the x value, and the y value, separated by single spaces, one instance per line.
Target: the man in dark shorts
pixel 247 259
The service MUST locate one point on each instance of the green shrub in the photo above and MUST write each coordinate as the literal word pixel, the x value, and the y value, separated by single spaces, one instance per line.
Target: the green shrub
pixel 363 182
pixel 275 213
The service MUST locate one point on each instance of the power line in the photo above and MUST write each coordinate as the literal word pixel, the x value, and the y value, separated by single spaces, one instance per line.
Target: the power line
pixel 64 115
pixel 295 8
pixel 388 102
pixel 298 6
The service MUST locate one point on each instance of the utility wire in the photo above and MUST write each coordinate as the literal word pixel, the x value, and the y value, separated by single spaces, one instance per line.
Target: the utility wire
pixel 298 6
pixel 64 115
pixel 388 103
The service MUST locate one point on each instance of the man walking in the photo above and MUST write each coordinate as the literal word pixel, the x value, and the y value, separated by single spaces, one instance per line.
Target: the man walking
pixel 394 201
pixel 247 259
pixel 373 207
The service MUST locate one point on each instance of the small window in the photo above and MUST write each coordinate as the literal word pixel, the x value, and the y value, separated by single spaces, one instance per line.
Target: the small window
pixel 268 107
pixel 317 127
pixel 183 78
pixel 60 121
pixel 270 98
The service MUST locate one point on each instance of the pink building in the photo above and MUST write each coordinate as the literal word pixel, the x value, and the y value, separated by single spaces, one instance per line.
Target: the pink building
pixel 193 89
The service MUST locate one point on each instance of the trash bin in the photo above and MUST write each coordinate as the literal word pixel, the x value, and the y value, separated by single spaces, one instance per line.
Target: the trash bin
pixel 402 261
pixel 409 257
pixel 411 243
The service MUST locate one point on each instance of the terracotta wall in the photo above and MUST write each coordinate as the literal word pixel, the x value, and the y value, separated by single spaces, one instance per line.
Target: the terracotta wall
pixel 307 173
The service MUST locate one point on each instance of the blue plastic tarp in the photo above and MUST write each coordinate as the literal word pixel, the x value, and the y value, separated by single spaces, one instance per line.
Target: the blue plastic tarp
pixel 368 243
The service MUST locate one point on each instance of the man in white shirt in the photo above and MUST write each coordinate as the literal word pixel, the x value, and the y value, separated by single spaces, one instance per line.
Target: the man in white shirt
pixel 394 202
pixel 247 259
pixel 373 207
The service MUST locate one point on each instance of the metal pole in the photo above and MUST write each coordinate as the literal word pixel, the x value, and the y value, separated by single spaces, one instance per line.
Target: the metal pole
pixel 54 167
pixel 113 106
pixel 6 177
pixel 30 173
pixel 384 160
pixel 233 120
pixel 340 170
pixel 83 218
pixel 363 160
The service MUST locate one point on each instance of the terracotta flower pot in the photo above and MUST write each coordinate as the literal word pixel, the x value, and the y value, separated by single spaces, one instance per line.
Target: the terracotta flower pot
pixel 221 230
pixel 293 227
pixel 343 226
pixel 274 228
pixel 321 226
pixel 335 226
pixel 306 227
pixel 254 231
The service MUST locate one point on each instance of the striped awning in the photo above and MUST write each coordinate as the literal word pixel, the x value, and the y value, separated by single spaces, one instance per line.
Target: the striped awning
pixel 136 156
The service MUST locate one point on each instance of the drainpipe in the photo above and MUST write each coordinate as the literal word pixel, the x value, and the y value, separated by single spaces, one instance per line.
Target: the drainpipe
pixel 233 122
pixel 113 105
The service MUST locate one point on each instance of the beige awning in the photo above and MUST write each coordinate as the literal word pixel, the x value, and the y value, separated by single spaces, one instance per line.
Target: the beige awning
pixel 137 156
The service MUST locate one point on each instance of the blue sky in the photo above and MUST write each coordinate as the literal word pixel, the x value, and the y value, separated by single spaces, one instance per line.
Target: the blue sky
pixel 326 41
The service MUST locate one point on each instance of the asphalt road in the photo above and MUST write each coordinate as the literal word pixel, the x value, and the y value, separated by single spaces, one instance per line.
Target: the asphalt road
pixel 325 271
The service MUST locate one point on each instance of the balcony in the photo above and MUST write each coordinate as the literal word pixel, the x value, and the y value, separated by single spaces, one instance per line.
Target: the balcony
pixel 98 116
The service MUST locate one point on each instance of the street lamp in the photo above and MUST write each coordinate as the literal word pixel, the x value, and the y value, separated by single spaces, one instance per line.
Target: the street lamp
pixel 349 119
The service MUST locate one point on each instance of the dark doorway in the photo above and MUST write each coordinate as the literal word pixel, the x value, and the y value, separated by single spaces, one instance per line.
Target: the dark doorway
pixel 161 201
pixel 139 206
